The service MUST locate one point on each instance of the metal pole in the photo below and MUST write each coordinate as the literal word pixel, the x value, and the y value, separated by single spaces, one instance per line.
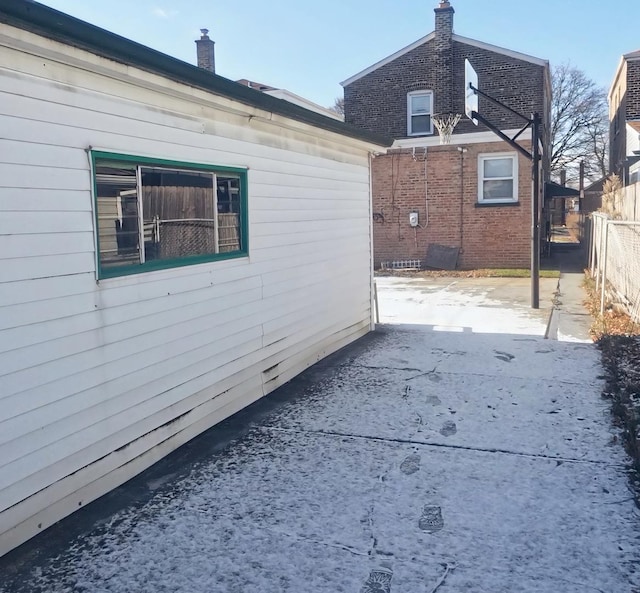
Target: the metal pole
pixel 581 198
pixel 604 267
pixel 535 213
pixel 603 227
pixel 592 245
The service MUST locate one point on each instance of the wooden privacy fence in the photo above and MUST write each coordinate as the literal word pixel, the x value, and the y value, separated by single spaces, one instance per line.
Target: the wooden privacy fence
pixel 630 207
pixel 183 221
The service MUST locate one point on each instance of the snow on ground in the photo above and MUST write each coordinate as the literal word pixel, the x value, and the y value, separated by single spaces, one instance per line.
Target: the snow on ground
pixel 419 461
pixel 482 305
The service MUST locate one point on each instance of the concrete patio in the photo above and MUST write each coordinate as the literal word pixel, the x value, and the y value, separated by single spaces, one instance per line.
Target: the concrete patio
pixel 455 449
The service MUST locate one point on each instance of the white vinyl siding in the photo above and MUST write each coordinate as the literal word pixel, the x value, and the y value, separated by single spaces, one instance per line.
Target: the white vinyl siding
pixel 102 377
pixel 497 178
pixel 419 113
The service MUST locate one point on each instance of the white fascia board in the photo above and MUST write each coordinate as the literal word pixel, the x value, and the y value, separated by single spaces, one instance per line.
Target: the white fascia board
pixel 616 78
pixel 459 139
pixel 501 50
pixel 388 59
pixel 474 42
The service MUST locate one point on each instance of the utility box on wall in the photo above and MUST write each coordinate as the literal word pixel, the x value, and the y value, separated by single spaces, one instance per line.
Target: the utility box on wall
pixel 413 219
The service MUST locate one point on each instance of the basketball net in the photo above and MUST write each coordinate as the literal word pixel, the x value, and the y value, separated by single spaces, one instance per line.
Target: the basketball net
pixel 445 125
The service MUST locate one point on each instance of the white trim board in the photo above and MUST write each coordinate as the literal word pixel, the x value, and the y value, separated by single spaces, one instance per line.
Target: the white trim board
pixel 466 40
pixel 501 50
pixel 632 57
pixel 456 139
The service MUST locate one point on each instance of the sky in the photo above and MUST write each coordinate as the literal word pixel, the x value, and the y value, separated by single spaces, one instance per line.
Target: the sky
pixel 309 48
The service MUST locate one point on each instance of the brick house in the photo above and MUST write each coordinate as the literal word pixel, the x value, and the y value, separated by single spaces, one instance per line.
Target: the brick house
pixel 474 193
pixel 624 119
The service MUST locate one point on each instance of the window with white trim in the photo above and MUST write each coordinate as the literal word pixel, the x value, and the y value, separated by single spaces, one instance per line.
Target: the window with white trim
pixel 155 214
pixel 419 113
pixel 497 178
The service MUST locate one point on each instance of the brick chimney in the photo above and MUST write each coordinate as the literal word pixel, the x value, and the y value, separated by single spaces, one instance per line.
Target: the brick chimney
pixel 444 58
pixel 206 52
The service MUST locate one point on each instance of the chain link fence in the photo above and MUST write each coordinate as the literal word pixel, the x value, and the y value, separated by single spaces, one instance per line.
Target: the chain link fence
pixel 615 261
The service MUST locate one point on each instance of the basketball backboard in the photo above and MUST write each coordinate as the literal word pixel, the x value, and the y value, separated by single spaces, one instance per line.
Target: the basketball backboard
pixel 470 95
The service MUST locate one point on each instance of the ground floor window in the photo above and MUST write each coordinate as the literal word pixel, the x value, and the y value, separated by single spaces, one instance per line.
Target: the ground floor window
pixel 154 214
pixel 498 178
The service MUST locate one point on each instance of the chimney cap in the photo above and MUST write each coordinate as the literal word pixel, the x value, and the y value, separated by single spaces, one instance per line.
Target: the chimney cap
pixel 205 33
pixel 444 4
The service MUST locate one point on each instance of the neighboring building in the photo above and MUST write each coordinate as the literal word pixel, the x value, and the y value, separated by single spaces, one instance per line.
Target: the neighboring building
pixel 205 48
pixel 624 120
pixel 474 194
pixel 291 97
pixel 593 196
pixel 174 247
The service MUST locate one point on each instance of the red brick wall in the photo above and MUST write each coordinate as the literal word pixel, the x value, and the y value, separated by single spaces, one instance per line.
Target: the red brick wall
pixel 493 236
pixel 378 101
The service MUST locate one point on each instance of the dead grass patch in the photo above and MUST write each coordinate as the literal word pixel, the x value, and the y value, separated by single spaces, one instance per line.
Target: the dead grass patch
pixel 483 273
pixel 615 321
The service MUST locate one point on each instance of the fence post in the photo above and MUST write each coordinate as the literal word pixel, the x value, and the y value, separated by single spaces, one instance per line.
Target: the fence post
pixel 598 267
pixel 592 246
pixel 604 267
pixel 596 254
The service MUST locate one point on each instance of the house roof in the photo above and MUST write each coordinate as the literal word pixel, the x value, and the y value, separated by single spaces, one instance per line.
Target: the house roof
pixel 634 55
pixel 459 38
pixel 555 190
pixel 58 26
pixel 596 186
pixel 634 125
pixel 291 97
pixel 252 84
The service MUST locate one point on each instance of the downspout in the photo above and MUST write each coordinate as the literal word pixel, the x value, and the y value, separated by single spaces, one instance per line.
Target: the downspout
pixel 426 191
pixel 372 282
pixel 462 150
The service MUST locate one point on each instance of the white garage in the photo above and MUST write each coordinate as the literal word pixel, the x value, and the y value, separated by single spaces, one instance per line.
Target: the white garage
pixel 173 246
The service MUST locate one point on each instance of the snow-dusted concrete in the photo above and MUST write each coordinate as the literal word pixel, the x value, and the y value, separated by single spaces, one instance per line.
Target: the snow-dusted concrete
pixel 483 305
pixel 435 456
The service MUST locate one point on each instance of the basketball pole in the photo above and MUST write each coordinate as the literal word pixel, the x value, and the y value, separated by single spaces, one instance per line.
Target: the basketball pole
pixel 535 122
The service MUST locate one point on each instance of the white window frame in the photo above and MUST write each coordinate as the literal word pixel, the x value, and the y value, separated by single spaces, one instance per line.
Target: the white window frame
pixel 481 179
pixel 410 114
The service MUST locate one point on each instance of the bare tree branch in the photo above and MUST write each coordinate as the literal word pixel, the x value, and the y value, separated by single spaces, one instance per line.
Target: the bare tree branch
pixel 579 124
pixel 338 106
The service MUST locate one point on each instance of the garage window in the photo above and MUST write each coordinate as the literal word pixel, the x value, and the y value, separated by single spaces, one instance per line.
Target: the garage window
pixel 156 214
pixel 498 178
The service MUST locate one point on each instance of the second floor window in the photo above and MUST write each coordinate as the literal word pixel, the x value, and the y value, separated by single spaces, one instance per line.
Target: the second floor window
pixel 419 112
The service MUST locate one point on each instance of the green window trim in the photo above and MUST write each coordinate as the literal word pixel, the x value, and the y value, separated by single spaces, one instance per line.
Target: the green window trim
pixel 189 169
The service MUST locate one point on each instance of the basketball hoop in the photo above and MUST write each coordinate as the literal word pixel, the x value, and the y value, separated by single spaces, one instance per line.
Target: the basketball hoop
pixel 445 125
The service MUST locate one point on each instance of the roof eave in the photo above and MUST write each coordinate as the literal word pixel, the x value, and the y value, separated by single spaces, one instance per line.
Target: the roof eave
pixel 502 50
pixel 460 39
pixel 616 77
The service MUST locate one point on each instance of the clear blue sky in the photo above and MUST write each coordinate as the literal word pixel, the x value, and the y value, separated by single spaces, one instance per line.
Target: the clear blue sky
pixel 309 47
